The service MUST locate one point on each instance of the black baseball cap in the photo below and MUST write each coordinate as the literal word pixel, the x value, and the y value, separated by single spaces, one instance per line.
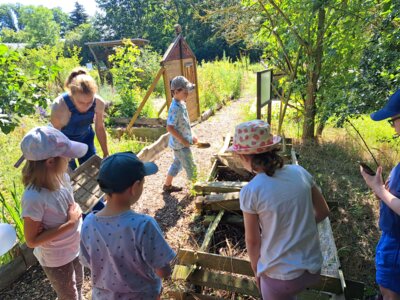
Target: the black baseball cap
pixel 120 170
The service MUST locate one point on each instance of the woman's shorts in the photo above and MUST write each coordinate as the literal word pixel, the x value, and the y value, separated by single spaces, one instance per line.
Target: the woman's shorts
pixel 388 263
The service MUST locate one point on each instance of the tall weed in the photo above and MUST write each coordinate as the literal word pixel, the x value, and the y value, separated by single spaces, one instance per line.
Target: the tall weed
pixel 219 81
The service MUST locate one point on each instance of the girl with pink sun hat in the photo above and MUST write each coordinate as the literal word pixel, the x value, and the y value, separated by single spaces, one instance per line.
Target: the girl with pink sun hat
pixel 281 207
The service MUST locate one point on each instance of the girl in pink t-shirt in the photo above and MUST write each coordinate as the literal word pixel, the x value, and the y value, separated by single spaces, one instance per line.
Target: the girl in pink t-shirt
pixel 52 219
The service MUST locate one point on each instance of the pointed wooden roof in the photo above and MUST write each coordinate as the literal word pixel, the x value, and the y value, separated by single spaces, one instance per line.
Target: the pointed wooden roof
pixel 173 52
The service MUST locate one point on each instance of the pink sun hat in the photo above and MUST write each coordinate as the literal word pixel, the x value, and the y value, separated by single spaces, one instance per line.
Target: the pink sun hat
pixel 43 142
pixel 253 137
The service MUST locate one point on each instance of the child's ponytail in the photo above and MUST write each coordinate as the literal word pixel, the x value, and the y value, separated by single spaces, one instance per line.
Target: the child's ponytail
pixel 269 161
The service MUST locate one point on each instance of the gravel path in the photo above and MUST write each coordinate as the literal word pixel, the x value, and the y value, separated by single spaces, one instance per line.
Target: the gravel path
pixel 174 213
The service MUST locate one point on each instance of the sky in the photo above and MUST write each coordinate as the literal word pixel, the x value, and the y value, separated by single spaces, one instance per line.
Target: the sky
pixel 66 5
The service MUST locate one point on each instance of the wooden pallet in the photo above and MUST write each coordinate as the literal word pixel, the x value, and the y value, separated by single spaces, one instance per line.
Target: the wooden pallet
pixel 86 190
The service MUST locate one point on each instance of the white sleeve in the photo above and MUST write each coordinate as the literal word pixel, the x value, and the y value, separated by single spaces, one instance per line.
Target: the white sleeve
pixel 247 201
pixel 33 205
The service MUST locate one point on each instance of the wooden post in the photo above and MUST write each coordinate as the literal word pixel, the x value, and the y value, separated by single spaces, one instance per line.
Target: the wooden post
pixel 149 91
pixel 97 63
pixel 197 86
pixel 168 96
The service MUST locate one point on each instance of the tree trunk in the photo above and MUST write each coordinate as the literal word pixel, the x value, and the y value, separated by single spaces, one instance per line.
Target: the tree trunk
pixel 320 128
pixel 315 65
pixel 309 111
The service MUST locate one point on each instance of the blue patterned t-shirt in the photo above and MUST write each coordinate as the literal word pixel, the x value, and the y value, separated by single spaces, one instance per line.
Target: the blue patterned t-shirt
pixel 122 253
pixel 179 118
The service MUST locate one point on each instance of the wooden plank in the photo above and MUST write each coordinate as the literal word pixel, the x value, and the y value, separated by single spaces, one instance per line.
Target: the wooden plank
pixel 217 280
pixel 216 202
pixel 227 141
pixel 12 271
pixel 148 93
pixel 213 172
pixel 210 231
pixel 331 264
pixel 218 187
pixel 215 262
pixel 354 289
pixel 194 259
pixel 294 157
pixel 231 219
pixel 155 122
pixel 229 205
pixel 233 162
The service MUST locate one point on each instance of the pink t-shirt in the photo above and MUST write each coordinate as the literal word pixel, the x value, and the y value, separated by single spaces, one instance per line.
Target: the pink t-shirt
pixel 50 208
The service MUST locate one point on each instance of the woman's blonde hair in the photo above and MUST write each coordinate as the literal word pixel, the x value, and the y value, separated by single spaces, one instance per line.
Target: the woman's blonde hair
pixel 36 174
pixel 79 81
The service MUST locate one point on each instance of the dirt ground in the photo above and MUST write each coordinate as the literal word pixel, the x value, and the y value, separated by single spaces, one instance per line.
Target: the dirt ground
pixel 173 212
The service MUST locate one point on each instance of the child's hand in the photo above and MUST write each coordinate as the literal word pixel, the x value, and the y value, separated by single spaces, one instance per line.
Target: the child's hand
pixel 373 182
pixel 185 143
pixel 74 213
pixel 195 139
pixel 40 228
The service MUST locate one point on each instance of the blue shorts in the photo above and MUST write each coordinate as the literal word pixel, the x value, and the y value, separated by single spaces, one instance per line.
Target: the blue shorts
pixel 388 263
pixel 183 158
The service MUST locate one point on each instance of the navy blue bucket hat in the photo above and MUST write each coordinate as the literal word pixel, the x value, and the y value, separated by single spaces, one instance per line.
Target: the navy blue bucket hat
pixel 391 109
pixel 120 170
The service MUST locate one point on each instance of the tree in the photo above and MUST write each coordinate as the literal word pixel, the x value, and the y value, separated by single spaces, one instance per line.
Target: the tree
pixel 78 16
pixel 62 19
pixel 8 35
pixel 40 27
pixel 378 74
pixel 9 16
pixel 305 41
pixel 155 20
pixel 78 37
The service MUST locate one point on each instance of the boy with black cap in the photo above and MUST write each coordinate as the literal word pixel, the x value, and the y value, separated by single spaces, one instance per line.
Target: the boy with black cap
pixel 387 258
pixel 125 251
pixel 178 125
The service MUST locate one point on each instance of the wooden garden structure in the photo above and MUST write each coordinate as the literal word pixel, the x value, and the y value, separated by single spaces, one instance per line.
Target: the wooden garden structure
pixel 203 269
pixel 178 60
pixel 101 57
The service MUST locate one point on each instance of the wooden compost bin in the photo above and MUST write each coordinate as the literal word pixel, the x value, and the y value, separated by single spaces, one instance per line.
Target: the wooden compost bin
pixel 204 269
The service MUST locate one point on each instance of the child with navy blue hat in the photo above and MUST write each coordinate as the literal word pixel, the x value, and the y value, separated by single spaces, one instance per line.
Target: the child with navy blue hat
pixel 388 250
pixel 125 251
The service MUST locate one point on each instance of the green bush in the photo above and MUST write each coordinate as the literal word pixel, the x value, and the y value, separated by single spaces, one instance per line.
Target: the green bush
pixel 149 62
pixel 21 92
pixel 52 57
pixel 219 81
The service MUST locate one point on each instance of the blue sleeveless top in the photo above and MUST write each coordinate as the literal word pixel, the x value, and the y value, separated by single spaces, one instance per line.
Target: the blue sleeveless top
pixel 79 125
pixel 389 221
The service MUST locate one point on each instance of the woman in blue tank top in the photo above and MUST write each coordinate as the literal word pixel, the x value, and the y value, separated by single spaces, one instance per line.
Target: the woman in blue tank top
pixel 74 112
pixel 388 250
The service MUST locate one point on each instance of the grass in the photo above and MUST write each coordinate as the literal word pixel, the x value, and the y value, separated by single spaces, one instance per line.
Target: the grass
pixel 219 81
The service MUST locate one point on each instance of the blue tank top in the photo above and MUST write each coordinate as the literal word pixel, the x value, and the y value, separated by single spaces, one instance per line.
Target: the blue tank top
pixel 79 125
pixel 389 221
